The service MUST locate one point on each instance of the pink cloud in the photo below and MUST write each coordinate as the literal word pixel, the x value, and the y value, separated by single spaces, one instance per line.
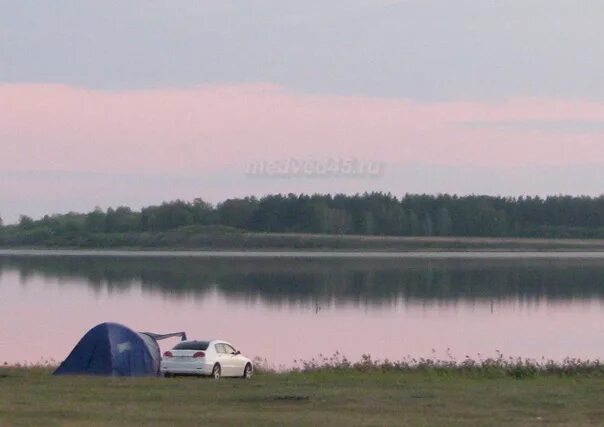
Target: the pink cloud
pixel 56 127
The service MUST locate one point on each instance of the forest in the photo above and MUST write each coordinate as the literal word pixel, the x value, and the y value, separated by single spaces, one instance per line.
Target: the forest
pixel 369 214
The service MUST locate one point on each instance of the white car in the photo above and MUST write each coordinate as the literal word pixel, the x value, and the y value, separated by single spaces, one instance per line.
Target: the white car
pixel 209 358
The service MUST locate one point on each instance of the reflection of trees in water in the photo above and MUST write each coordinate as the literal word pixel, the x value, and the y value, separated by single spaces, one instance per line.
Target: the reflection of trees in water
pixel 316 280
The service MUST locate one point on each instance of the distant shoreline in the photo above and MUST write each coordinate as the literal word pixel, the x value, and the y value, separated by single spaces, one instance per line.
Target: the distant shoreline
pixel 292 244
pixel 304 254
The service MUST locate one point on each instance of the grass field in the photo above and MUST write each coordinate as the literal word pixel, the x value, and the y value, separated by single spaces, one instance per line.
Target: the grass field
pixel 34 397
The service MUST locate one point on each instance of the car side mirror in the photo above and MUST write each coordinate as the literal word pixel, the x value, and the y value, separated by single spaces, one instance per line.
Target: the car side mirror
pixel 236 352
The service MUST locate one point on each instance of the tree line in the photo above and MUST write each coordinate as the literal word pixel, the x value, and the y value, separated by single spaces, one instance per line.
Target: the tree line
pixel 362 214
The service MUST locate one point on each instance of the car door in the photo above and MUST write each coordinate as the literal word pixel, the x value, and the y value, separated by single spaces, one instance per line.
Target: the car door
pixel 225 359
pixel 236 363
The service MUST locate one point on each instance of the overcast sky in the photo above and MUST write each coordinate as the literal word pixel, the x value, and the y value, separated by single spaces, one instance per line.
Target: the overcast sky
pixel 135 102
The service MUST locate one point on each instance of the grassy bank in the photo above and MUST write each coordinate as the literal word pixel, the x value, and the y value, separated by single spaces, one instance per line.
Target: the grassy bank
pixel 33 397
pixel 187 239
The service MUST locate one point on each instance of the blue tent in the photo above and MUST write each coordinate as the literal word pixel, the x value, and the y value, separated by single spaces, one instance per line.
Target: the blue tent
pixel 114 349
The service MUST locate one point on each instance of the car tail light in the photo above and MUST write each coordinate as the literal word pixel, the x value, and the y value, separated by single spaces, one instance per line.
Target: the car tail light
pixel 168 354
pixel 199 354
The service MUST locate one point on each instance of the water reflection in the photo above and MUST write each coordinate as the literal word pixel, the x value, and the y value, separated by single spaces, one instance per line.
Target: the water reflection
pixel 316 281
pixel 286 309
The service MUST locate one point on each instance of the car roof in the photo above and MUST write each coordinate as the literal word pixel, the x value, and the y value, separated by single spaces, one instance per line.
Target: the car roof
pixel 212 341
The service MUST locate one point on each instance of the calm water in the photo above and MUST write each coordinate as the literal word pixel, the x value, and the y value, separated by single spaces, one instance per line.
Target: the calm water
pixel 292 307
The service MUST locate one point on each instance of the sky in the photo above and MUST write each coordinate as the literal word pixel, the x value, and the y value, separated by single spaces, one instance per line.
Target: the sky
pixel 106 103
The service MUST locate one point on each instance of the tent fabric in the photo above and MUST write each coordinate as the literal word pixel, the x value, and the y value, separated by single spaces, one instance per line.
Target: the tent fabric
pixel 113 349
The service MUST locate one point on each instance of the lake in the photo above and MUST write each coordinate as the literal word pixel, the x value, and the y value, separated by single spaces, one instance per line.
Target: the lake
pixel 291 306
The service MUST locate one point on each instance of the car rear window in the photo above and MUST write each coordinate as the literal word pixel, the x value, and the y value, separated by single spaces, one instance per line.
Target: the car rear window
pixel 192 345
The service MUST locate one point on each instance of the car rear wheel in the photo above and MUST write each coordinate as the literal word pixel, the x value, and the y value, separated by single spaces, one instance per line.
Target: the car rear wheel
pixel 216 372
pixel 247 372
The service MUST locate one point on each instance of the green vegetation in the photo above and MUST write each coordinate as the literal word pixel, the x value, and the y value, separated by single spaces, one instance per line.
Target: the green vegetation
pixel 498 367
pixel 230 224
pixel 421 397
